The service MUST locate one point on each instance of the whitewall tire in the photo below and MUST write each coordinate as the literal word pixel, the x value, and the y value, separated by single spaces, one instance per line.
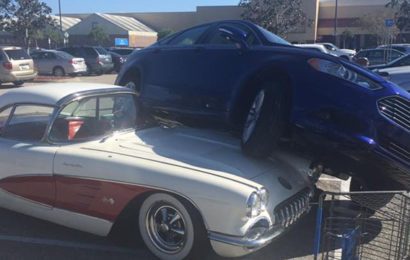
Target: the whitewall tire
pixel 167 227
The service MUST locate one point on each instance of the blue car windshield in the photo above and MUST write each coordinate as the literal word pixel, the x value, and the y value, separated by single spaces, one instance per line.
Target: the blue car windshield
pixel 273 38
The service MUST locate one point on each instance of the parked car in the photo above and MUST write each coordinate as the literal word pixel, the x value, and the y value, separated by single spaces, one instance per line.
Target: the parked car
pixel 16 66
pixel 236 75
pixel 118 60
pixel 58 63
pixel 403 47
pixel 122 51
pixel 379 56
pixel 336 51
pixel 402 61
pixel 398 75
pixel 97 59
pixel 71 154
pixel 313 47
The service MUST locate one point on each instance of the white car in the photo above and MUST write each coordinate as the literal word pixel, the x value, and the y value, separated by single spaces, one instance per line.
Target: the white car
pixel 336 51
pixel 398 75
pixel 315 47
pixel 70 154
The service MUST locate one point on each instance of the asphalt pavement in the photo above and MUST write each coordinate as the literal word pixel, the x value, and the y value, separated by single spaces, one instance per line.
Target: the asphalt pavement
pixel 24 237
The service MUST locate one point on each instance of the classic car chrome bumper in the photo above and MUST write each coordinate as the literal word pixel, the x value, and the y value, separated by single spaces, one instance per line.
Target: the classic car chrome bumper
pixel 230 246
pixel 264 239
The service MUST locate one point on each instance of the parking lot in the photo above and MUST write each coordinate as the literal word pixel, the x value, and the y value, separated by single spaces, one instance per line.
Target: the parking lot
pixel 23 237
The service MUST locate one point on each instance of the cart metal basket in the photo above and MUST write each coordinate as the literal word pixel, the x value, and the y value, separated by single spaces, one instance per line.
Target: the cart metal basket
pixel 363 225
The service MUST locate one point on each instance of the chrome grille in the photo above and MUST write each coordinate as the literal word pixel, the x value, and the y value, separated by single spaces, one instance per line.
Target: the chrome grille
pixel 396 109
pixel 292 209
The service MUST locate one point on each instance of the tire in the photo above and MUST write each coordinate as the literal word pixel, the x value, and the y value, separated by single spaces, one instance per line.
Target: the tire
pixel 18 83
pixel 265 119
pixel 184 238
pixel 58 72
pixel 88 71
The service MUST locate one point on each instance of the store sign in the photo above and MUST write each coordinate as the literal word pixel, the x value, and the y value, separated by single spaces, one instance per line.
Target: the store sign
pixel 121 42
pixel 389 23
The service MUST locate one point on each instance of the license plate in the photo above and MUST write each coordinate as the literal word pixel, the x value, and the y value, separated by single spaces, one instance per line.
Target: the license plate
pixel 24 67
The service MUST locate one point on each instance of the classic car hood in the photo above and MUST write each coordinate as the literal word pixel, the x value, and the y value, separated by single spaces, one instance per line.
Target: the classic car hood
pixel 210 152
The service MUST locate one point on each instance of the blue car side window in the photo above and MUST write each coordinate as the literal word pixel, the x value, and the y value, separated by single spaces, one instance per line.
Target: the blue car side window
pixel 216 38
pixel 189 37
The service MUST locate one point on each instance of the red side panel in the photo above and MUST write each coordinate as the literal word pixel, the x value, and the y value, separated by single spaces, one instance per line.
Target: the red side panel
pixel 100 199
pixel 36 188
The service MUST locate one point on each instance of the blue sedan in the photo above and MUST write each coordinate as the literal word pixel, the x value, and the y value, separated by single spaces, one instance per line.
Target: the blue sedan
pixel 236 75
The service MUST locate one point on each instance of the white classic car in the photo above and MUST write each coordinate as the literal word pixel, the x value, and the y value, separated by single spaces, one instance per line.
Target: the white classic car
pixel 71 154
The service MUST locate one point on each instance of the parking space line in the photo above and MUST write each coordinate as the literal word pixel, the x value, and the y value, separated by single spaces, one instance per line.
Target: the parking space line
pixel 54 242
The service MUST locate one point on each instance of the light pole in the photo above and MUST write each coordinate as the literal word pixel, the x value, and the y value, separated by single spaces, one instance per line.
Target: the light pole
pixel 61 20
pixel 336 9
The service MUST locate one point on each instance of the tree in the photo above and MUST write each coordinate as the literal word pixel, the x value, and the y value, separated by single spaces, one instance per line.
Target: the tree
pixel 376 24
pixel 164 33
pixel 98 35
pixel 402 16
pixel 278 16
pixel 55 36
pixel 25 18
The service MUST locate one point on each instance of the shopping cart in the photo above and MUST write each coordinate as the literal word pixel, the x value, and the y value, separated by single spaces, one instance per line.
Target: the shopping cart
pixel 363 225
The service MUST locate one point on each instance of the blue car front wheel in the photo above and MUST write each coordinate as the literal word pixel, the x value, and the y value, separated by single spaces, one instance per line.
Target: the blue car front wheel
pixel 265 118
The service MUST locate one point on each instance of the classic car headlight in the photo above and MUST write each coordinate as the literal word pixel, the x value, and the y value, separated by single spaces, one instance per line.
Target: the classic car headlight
pixel 264 194
pixel 338 70
pixel 257 202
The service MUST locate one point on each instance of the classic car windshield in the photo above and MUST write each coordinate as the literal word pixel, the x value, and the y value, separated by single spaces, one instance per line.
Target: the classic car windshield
pixel 94 117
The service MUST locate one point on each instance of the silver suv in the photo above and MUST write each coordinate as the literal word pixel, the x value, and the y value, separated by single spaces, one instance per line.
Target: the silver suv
pixel 16 65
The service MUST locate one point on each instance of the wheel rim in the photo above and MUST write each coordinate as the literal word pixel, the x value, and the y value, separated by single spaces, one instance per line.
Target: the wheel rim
pixel 253 116
pixel 166 228
pixel 58 72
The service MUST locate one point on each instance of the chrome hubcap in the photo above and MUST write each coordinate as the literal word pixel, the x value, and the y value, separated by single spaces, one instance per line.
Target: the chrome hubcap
pixel 166 228
pixel 253 116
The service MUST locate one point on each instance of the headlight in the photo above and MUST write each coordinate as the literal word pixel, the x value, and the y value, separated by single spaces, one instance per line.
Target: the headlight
pixel 257 202
pixel 264 194
pixel 338 70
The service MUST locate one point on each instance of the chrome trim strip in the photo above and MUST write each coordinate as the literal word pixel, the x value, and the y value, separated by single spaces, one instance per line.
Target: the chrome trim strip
pixel 266 238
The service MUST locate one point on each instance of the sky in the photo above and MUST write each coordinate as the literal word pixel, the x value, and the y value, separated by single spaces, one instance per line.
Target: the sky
pixel 124 6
